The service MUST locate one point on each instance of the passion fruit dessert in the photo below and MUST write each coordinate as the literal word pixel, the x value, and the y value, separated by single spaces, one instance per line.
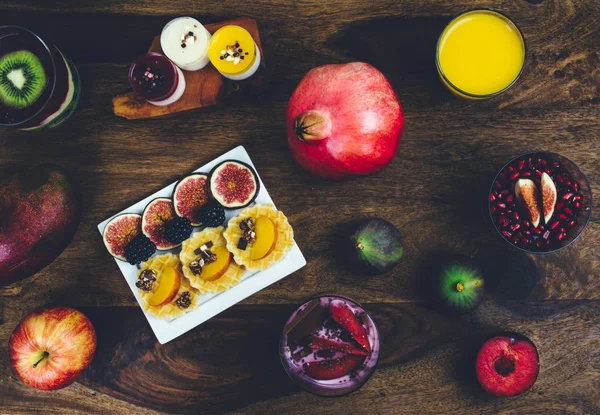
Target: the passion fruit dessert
pixel 233 184
pixel 459 285
pixel 376 245
pixel 155 218
pixel 190 196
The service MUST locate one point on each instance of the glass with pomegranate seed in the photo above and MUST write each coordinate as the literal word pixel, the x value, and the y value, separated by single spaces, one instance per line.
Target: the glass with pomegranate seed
pixel 156 79
pixel 330 346
pixel 540 202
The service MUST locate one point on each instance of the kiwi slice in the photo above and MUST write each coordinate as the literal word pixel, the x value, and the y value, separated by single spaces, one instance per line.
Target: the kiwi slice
pixel 22 79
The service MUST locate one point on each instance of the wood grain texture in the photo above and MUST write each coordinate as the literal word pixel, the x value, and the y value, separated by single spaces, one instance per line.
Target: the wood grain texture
pixel 204 88
pixel 432 192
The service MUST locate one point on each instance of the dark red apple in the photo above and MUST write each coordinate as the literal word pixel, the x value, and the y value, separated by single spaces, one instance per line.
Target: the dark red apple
pixel 50 348
pixel 507 366
pixel 39 214
pixel 344 120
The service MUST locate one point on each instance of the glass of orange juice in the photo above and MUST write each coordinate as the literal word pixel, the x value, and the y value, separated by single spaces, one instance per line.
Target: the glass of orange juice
pixel 480 54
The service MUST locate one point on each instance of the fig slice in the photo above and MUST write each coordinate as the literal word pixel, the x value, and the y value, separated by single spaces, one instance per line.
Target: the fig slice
pixel 190 196
pixel 234 184
pixel 156 215
pixel 528 194
pixel 548 196
pixel 120 231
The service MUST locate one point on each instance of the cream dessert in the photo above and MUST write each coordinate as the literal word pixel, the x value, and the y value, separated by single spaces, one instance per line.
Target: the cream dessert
pixel 234 53
pixel 154 77
pixel 330 346
pixel 185 41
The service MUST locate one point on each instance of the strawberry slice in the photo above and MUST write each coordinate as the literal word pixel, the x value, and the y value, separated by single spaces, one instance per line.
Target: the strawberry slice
pixel 333 369
pixel 345 317
pixel 321 343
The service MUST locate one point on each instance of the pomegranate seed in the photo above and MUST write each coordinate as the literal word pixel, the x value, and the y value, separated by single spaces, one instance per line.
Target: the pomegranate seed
pixel 497 185
pixel 492 197
pixel 577 205
pixel 546 235
pixel 514 176
pixel 521 164
pixel 528 233
pixel 526 223
pixel 537 231
pixel 576 186
pixel 548 171
pixel 568 183
pixel 538 173
pixel 501 205
pixel 509 211
pixel 554 225
pixel 568 211
pixel 515 227
pixel 530 162
pixel 492 209
pixel 515 240
pixel 571 224
pixel 562 216
pixel 563 230
pixel 527 174
pixel 561 236
pixel 506 234
pixel 539 244
pixel 511 169
pixel 516 215
pixel 504 193
pixel 567 196
pixel 559 179
pixel 577 198
pixel 559 205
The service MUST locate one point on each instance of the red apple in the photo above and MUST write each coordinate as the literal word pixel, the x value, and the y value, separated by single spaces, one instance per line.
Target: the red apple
pixel 507 366
pixel 50 348
pixel 344 120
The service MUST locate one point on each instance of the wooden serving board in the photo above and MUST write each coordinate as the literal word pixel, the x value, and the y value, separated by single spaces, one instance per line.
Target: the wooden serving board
pixel 204 88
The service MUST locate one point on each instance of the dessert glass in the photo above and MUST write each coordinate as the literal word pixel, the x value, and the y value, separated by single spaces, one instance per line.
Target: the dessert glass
pixel 312 317
pixel 61 89
pixel 583 193
pixel 155 78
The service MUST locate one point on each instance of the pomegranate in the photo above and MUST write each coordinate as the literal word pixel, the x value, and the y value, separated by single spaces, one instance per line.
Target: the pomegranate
pixel 344 120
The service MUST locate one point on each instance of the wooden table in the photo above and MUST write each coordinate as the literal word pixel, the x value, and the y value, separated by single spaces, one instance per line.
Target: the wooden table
pixel 431 191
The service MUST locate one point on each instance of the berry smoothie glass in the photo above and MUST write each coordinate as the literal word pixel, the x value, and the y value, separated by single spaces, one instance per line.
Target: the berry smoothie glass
pixel 156 79
pixel 330 346
pixel 39 87
pixel 539 202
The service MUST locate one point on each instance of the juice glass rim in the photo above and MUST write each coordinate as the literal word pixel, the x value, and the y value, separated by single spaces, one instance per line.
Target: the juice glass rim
pixel 489 203
pixel 296 382
pixel 52 87
pixel 469 94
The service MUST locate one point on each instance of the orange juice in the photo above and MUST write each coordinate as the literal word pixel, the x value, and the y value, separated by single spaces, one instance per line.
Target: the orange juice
pixel 480 54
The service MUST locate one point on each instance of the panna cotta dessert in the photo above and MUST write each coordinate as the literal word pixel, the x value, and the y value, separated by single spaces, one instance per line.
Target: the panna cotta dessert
pixel 185 41
pixel 39 87
pixel 330 346
pixel 155 78
pixel 233 52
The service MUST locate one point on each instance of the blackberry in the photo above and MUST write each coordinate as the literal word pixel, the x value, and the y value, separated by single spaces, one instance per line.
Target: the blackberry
pixel 212 215
pixel 139 249
pixel 178 230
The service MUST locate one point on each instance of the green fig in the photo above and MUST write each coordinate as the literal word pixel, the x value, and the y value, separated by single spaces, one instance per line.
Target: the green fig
pixel 376 244
pixel 460 286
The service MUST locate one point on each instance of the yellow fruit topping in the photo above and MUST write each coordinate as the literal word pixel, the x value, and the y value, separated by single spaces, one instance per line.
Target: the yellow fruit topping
pixel 168 286
pixel 266 236
pixel 215 270
pixel 232 50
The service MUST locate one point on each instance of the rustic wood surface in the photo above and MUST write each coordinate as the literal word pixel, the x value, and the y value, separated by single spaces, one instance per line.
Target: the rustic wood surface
pixel 431 191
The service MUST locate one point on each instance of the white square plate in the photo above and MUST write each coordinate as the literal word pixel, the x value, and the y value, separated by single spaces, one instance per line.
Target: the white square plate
pixel 211 304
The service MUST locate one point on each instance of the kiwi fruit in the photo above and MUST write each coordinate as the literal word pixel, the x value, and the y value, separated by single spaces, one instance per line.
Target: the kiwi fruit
pixel 22 79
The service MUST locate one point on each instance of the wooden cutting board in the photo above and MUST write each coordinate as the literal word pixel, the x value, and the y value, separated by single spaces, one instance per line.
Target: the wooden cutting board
pixel 204 88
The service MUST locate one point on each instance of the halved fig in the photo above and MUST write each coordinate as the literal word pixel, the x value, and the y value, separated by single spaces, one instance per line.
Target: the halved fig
pixel 234 184
pixel 548 196
pixel 120 231
pixel 156 215
pixel 189 197
pixel 528 194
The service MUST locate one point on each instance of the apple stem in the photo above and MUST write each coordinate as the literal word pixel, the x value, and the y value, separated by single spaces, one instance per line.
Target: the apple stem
pixel 44 356
pixel 460 287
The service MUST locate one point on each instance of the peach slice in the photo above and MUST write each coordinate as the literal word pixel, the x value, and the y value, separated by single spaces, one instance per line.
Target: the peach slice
pixel 168 287
pixel 528 194
pixel 266 236
pixel 215 270
pixel 548 196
